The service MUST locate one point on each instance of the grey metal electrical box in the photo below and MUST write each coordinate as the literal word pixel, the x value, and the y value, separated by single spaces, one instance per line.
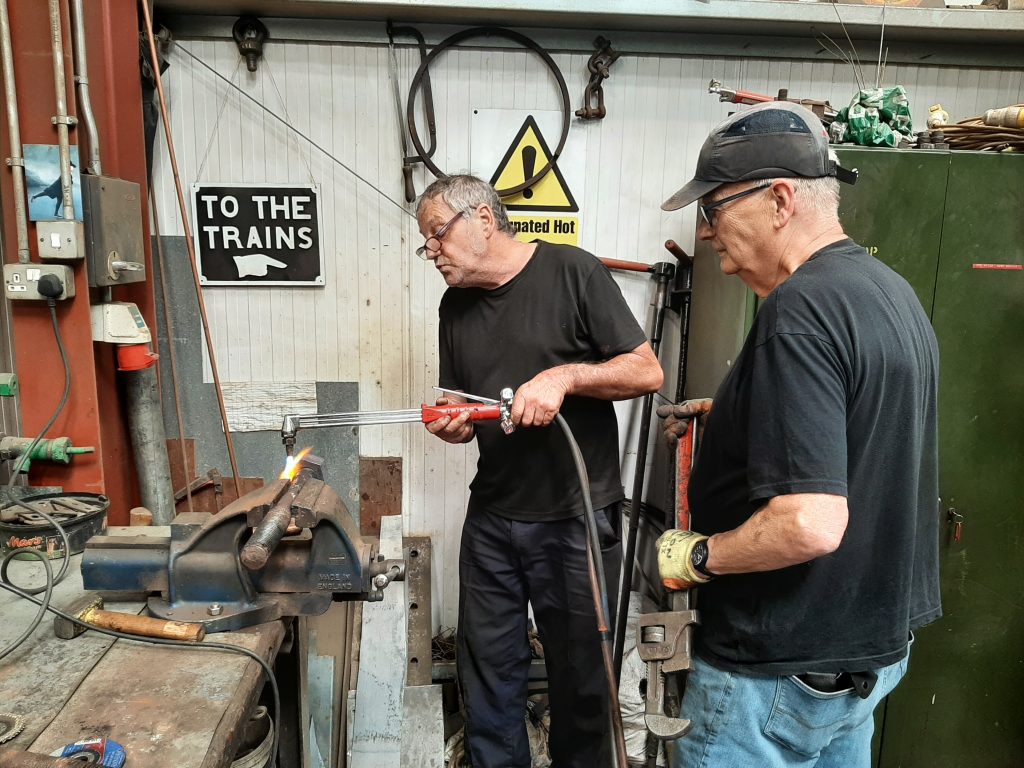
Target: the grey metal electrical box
pixel 21 281
pixel 113 231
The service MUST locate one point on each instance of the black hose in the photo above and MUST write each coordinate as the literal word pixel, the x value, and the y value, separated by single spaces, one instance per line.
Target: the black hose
pixel 43 604
pixel 458 37
pixel 20 462
pixel 271 678
pixel 599 591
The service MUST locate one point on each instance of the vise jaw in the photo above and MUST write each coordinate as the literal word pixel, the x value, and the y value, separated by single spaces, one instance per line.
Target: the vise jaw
pixel 287 549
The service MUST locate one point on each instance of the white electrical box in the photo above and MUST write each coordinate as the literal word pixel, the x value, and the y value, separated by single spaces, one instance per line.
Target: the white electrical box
pixel 119 322
pixel 21 281
pixel 60 240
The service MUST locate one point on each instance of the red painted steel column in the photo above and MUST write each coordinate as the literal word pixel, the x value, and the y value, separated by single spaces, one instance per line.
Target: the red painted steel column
pixel 95 413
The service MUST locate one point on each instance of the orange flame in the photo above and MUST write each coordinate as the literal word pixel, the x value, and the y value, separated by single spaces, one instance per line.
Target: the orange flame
pixel 291 466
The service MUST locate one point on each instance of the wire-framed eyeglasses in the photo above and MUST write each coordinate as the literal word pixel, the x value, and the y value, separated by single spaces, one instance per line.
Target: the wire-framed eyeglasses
pixel 708 210
pixel 432 246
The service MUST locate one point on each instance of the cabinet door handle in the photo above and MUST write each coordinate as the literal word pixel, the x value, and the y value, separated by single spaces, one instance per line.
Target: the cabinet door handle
pixel 957 520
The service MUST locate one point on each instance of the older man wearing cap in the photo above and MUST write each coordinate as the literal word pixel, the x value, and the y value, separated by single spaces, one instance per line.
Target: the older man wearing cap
pixel 815 491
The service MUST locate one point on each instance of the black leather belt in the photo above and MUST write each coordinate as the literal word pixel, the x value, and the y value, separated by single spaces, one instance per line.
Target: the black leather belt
pixel 862 683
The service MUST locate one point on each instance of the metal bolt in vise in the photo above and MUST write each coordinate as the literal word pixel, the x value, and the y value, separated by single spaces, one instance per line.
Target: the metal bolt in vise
pixel 215 609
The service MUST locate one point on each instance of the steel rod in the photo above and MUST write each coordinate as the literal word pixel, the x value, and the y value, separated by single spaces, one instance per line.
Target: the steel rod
pixel 362 418
pixel 190 245
pixel 16 161
pixel 639 470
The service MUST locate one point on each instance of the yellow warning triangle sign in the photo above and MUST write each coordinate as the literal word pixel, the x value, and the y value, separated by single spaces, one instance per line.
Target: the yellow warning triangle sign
pixel 527 154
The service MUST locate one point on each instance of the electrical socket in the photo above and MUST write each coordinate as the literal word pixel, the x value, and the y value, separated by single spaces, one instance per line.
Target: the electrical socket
pixel 21 281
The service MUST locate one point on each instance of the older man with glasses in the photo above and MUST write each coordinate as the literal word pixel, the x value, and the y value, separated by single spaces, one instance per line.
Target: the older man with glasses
pixel 549 321
pixel 815 491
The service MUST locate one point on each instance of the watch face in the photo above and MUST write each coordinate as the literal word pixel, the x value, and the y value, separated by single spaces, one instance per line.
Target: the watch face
pixel 698 554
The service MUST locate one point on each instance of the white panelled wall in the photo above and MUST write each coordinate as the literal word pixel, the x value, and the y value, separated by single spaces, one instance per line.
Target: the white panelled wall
pixel 375 320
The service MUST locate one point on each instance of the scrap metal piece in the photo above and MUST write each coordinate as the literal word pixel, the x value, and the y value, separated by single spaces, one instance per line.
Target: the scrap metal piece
pixel 10 726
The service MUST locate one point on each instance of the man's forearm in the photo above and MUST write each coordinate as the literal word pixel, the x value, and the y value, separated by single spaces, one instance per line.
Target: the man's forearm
pixel 788 530
pixel 623 377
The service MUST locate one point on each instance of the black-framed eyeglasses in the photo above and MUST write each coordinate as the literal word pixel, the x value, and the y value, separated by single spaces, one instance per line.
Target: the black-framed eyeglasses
pixel 709 210
pixel 432 246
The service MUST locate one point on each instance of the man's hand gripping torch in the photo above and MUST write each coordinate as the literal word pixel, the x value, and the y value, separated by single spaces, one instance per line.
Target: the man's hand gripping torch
pixel 483 409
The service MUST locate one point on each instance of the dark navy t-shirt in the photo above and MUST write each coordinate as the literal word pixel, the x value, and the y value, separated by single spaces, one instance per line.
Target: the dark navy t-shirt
pixel 563 307
pixel 833 392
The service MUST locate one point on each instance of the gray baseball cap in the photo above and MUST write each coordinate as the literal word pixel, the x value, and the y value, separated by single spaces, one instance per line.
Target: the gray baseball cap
pixel 777 139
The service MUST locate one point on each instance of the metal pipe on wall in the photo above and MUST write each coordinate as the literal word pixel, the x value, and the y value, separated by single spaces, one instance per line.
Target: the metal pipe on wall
pixel 16 160
pixel 149 444
pixel 61 120
pixel 82 83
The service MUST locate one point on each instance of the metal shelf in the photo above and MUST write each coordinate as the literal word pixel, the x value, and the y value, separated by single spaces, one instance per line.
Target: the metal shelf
pixel 734 17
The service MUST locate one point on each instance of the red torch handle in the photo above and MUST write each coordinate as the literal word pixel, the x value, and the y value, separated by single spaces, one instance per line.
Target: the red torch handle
pixel 477 411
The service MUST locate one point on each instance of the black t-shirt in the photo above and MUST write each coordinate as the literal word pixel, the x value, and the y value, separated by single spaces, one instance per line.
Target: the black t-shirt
pixel 834 392
pixel 563 307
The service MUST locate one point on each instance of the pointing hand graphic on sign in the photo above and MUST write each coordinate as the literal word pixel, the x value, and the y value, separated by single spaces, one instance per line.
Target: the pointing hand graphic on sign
pixel 255 264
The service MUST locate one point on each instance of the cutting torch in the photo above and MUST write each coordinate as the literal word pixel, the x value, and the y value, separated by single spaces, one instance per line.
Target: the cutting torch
pixel 483 409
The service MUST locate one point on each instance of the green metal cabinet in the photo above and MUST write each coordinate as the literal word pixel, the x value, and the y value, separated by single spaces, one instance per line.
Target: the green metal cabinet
pixel 934 216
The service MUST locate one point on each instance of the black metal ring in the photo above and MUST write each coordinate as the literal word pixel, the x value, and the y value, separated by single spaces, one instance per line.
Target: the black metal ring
pixel 458 37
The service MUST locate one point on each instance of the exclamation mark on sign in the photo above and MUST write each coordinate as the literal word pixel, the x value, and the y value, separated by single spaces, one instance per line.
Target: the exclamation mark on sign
pixel 529 161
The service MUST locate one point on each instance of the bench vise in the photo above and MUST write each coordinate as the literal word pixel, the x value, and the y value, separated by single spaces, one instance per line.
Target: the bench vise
pixel 287 549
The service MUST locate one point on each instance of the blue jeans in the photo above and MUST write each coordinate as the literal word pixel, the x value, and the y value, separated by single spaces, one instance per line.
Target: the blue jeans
pixel 776 722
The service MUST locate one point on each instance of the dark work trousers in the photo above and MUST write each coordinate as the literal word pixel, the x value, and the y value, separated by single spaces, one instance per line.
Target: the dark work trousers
pixel 504 564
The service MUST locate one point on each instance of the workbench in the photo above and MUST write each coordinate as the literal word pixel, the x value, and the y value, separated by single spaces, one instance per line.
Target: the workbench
pixel 168 707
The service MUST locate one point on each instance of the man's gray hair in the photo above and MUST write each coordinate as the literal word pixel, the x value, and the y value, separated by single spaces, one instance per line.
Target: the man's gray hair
pixel 464 194
pixel 821 194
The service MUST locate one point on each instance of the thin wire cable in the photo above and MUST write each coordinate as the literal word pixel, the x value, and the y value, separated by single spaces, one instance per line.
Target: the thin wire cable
pixel 165 119
pixel 202 646
pixel 186 475
pixel 290 127
pixel 284 106
pixel 216 124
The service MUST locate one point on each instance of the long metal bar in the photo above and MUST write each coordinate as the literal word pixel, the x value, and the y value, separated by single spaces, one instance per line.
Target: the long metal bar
pixel 361 418
pixel 82 81
pixel 189 244
pixel 16 161
pixel 61 120
pixel 663 273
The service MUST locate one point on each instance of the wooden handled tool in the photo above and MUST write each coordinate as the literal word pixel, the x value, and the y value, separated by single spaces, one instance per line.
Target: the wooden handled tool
pixel 89 609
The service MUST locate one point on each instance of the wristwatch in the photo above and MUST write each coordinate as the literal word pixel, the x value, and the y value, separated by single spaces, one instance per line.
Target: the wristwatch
pixel 699 558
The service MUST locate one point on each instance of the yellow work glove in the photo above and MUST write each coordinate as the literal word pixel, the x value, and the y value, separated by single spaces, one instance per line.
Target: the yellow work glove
pixel 678 416
pixel 676 559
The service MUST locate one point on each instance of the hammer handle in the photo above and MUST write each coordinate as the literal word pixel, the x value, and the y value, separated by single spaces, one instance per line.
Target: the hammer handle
pixel 148 626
